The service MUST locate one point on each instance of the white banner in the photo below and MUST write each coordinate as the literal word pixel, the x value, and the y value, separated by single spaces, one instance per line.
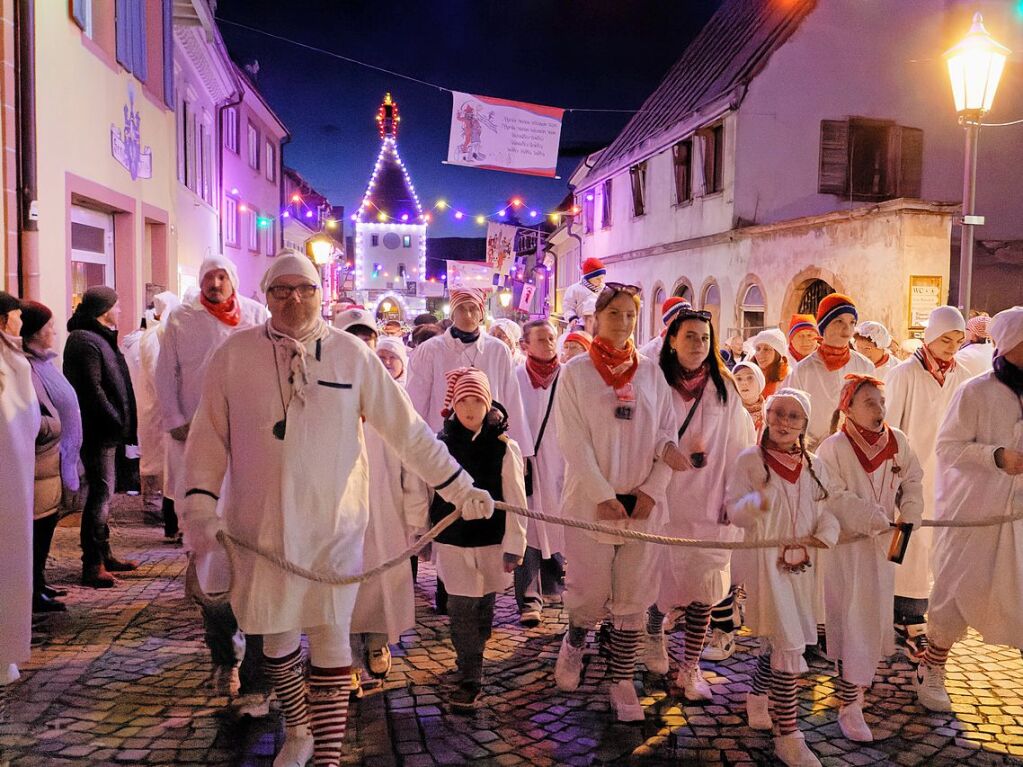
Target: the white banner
pixel 526 302
pixel 498 134
pixel 470 274
pixel 501 247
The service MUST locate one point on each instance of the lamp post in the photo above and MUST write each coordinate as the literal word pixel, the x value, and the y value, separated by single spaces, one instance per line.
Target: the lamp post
pixel 975 66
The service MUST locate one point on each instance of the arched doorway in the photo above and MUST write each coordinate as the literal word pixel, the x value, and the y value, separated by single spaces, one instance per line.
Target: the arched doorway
pixel 655 311
pixel 813 292
pixel 683 290
pixel 390 307
pixel 711 302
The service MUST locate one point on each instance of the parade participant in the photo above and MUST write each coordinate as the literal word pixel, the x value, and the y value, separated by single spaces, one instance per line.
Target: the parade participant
pixel 475 558
pixel 277 400
pixel 872 340
pixel 734 351
pixel 191 334
pixel 385 605
pixel 804 337
pixel 822 374
pixel 918 392
pixel 978 571
pixel 769 352
pixel 509 333
pixel 577 342
pixel 99 374
pixel 712 428
pixel 875 483
pixel 392 328
pixel 545 469
pixel 614 413
pixel 19 425
pixel 359 322
pixel 976 355
pixel 671 307
pixel 779 490
pixel 57 475
pixel 750 383
pixel 588 287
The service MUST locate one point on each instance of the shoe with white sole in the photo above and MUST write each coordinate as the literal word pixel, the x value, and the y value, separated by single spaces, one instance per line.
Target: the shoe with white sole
pixel 693 685
pixel 297 749
pixel 929 685
pixel 720 646
pixel 852 724
pixel 625 702
pixel 758 712
pixel 654 654
pixel 379 661
pixel 792 751
pixel 569 667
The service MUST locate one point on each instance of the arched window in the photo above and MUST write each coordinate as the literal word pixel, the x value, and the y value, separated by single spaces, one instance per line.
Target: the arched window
pixel 752 311
pixel 812 295
pixel 712 303
pixel 655 311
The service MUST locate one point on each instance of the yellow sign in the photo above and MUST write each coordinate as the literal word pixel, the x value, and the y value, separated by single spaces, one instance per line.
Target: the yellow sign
pixel 924 295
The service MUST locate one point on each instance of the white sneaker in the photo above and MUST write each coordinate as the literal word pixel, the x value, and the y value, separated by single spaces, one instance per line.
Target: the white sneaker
pixel 380 661
pixel 758 712
pixel 569 666
pixel 929 685
pixel 297 749
pixel 256 705
pixel 655 653
pixel 852 724
pixel 692 684
pixel 792 751
pixel 721 646
pixel 224 681
pixel 625 702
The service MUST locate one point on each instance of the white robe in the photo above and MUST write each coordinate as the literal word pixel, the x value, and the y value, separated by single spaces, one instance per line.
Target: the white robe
pixel 881 373
pixel 19 425
pixel 304 497
pixel 434 358
pixel 575 297
pixel 696 499
pixel 781 606
pixel 916 406
pixel 824 387
pixel 652 348
pixel 548 468
pixel 976 358
pixel 190 337
pixel 979 570
pixel 151 432
pixel 859 582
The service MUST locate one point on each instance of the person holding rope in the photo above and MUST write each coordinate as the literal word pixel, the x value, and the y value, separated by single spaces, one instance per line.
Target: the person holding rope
pixel 777 490
pixel 614 417
pixel 875 483
pixel 278 434
pixel 978 572
pixel 712 428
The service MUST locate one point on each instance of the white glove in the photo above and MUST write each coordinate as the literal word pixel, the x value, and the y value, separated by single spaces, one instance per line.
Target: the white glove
pixel 878 522
pixel 477 504
pixel 200 523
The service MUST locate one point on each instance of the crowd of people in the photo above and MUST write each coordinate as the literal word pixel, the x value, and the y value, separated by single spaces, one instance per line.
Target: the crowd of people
pixel 818 449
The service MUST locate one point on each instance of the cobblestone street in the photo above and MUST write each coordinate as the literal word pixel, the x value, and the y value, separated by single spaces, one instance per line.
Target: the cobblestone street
pixel 118 679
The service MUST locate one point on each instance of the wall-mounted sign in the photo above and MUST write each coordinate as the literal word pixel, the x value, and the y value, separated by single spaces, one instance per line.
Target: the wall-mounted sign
pixel 526 300
pixel 924 295
pixel 126 142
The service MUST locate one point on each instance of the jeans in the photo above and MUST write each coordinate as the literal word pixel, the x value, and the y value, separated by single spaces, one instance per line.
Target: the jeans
pixel 472 619
pixel 42 536
pixel 528 595
pixel 99 474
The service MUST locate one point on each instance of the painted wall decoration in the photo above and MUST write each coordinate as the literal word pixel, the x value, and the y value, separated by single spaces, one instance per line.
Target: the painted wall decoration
pixel 126 142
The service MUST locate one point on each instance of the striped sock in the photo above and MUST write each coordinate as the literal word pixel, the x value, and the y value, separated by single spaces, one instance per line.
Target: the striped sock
pixel 722 614
pixel 763 675
pixel 654 621
pixel 577 636
pixel 697 620
pixel 287 675
pixel 935 656
pixel 846 690
pixel 329 689
pixel 783 698
pixel 624 646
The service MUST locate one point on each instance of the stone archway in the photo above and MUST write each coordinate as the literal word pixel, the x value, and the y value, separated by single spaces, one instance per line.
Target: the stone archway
pixel 683 289
pixel 806 285
pixel 657 298
pixel 710 301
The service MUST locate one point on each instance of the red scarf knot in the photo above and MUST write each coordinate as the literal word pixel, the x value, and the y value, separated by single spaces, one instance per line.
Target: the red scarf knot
pixel 872 448
pixel 617 367
pixel 834 357
pixel 229 312
pixel 541 373
pixel 786 464
pixel 937 368
pixel 692 382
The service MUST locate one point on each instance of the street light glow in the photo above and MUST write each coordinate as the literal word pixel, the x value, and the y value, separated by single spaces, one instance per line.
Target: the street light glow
pixel 975 66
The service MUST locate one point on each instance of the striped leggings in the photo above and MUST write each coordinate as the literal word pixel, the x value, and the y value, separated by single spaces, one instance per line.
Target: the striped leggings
pixel 782 688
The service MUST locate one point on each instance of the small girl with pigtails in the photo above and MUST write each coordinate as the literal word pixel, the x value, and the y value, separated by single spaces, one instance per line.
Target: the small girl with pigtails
pixel 778 491
pixel 875 485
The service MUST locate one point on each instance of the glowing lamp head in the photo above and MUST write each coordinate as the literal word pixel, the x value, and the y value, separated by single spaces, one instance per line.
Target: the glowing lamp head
pixel 296 198
pixel 386 306
pixel 975 66
pixel 320 249
pixel 516 202
pixel 505 298
pixel 481 220
pixel 331 223
pixel 458 215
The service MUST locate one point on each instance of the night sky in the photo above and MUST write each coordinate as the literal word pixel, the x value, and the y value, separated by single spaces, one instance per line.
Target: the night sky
pixel 590 54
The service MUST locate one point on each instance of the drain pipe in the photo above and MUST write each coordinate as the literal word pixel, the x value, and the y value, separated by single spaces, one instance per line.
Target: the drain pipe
pixel 24 277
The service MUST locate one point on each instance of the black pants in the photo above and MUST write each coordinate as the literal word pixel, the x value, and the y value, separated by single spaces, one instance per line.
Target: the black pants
pixel 99 465
pixel 472 619
pixel 42 536
pixel 170 518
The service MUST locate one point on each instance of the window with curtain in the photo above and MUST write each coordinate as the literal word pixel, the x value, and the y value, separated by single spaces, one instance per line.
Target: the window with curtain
pixel 637 174
pixel 682 162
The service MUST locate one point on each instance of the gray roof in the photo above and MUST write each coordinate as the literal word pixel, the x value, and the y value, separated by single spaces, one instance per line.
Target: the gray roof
pixel 729 51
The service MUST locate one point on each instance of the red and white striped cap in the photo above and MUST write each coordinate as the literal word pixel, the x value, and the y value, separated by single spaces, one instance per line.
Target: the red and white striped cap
pixel 467 296
pixel 466 382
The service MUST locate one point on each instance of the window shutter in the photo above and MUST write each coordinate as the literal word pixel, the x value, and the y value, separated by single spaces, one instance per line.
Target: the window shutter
pixel 140 65
pixel 122 28
pixel 168 53
pixel 908 145
pixel 834 159
pixel 78 12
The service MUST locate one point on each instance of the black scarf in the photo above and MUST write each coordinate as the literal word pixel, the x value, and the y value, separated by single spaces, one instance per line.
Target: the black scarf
pixel 464 337
pixel 1009 374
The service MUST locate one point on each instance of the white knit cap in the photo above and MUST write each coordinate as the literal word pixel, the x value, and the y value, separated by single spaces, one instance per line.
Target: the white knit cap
pixel 510 328
pixel 942 320
pixel 876 332
pixel 1006 329
pixel 164 302
pixel 396 347
pixel 291 263
pixel 758 374
pixel 219 261
pixel 774 338
pixel 798 395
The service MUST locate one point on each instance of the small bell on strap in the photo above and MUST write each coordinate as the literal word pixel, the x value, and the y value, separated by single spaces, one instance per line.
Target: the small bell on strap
pixel 794 558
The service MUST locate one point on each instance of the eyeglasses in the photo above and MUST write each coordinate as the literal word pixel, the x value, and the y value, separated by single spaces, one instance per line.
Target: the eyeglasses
pixel 793 419
pixel 621 287
pixel 283 292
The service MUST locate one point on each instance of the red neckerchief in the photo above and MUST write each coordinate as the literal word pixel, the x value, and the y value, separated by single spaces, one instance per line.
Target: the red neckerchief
pixel 872 448
pixel 933 365
pixel 834 357
pixel 616 366
pixel 229 312
pixel 691 382
pixel 787 465
pixel 796 355
pixel 882 361
pixel 756 411
pixel 541 374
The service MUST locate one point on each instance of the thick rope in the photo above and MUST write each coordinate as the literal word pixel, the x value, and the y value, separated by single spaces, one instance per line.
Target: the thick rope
pixel 231 542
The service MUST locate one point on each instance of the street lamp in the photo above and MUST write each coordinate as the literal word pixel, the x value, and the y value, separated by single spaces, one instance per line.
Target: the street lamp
pixel 505 298
pixel 320 248
pixel 975 66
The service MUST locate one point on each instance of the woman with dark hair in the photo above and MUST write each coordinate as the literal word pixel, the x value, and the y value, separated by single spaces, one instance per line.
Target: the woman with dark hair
pixel 712 428
pixel 613 413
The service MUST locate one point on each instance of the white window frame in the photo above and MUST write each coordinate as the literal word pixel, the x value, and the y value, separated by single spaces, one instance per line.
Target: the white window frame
pixel 271 161
pixel 270 239
pixel 231 129
pixel 253 230
pixel 231 221
pixel 252 133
